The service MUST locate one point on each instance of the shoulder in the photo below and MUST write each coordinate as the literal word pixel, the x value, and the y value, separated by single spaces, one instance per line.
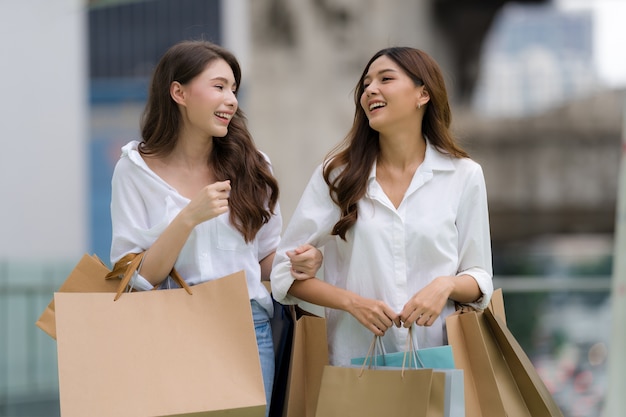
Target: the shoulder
pixel 467 165
pixel 130 160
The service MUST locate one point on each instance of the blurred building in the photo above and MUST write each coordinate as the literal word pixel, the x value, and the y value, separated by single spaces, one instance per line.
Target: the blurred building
pixel 535 58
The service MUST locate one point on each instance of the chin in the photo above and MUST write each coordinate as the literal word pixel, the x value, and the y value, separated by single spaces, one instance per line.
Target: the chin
pixel 220 133
pixel 375 126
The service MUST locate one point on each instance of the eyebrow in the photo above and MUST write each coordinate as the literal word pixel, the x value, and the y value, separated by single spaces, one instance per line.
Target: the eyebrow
pixel 367 77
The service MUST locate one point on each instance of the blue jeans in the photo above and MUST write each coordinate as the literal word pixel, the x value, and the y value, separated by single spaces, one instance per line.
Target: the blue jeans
pixel 265 343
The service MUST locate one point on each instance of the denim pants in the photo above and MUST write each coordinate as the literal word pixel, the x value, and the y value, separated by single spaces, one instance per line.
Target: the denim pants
pixel 265 343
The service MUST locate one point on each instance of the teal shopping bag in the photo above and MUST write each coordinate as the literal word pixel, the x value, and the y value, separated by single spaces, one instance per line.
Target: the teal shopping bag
pixel 438 357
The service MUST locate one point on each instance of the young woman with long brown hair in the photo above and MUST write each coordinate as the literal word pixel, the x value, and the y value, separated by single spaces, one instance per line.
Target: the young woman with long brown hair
pixel 400 212
pixel 195 193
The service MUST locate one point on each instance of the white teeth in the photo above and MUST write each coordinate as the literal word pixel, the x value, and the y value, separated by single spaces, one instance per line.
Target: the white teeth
pixel 224 115
pixel 377 104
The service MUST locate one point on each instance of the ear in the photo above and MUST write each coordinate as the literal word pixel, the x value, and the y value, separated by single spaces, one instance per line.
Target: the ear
pixel 423 97
pixel 177 92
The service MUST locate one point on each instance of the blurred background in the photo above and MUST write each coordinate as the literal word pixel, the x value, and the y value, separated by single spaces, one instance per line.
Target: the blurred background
pixel 537 92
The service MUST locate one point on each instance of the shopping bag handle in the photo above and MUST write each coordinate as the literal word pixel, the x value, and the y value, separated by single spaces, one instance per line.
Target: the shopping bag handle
pixel 129 264
pixel 410 352
pixel 414 359
pixel 377 343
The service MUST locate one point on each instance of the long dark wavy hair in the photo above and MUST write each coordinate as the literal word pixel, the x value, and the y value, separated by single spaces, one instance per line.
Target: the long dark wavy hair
pixel 356 154
pixel 254 192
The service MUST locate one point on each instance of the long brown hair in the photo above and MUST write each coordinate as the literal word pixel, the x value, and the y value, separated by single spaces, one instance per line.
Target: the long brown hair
pixel 347 167
pixel 254 192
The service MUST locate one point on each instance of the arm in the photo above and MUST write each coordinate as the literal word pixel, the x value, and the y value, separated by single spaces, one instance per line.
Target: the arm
pixel 131 231
pixel 266 266
pixel 308 229
pixel 159 259
pixel 312 222
pixel 375 315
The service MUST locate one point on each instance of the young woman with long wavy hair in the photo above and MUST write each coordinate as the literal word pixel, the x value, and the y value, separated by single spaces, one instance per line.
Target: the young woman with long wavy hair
pixel 400 211
pixel 195 193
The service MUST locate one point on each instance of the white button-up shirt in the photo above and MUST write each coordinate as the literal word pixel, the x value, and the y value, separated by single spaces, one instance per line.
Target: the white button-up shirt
pixel 440 228
pixel 143 205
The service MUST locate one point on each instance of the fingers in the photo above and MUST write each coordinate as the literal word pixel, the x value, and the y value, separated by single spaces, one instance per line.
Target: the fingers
pixel 218 194
pixel 300 275
pixel 375 315
pixel 305 261
pixel 421 316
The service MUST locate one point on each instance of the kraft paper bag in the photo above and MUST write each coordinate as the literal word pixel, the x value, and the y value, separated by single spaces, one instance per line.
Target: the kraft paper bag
pixel 160 353
pixel 500 380
pixel 309 356
pixel 87 276
pixel 496 304
pixel 354 391
pixel 447 392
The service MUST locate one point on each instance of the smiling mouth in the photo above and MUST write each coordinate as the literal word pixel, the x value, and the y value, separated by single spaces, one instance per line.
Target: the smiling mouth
pixel 377 105
pixel 226 116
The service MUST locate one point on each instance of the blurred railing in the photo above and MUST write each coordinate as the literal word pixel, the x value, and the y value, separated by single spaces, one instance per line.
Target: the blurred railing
pixel 28 361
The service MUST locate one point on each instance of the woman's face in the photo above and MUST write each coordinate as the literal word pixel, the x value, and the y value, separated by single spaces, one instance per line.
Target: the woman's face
pixel 390 97
pixel 209 101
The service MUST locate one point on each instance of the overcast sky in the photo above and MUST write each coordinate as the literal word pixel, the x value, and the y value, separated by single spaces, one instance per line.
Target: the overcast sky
pixel 609 36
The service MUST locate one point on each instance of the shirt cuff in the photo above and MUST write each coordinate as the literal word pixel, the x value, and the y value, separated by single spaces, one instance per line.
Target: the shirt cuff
pixel 485 284
pixel 281 281
pixel 139 283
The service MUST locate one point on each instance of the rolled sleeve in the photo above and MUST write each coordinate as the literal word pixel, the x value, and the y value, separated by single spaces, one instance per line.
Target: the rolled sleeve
pixel 139 283
pixel 474 236
pixel 311 223
pixel 485 284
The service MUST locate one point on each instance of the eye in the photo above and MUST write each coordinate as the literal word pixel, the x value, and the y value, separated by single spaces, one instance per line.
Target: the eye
pixel 219 87
pixel 386 79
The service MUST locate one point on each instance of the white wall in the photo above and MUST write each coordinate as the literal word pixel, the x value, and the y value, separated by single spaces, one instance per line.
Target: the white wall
pixel 43 129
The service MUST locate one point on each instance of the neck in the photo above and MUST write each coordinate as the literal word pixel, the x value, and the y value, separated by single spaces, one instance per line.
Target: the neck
pixel 402 151
pixel 192 153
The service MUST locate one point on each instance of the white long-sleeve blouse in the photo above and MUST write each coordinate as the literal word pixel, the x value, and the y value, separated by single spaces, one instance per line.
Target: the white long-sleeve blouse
pixel 143 205
pixel 440 228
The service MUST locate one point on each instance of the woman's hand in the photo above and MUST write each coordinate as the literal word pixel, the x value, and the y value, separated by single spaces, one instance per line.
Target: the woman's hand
pixel 210 202
pixel 426 305
pixel 375 315
pixel 305 261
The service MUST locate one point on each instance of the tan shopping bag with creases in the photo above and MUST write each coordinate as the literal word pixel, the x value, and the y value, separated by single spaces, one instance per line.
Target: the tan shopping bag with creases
pixel 500 379
pixel 309 355
pixel 160 353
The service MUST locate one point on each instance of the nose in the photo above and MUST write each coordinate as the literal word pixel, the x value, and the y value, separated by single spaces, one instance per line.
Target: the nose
pixel 231 99
pixel 370 90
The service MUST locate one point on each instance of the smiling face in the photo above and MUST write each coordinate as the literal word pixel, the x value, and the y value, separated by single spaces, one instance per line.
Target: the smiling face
pixel 208 101
pixel 390 98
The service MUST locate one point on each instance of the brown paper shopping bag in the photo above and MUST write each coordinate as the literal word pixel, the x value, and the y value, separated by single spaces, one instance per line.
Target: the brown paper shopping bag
pixel 355 391
pixel 92 275
pixel 87 276
pixel 309 355
pixel 160 353
pixel 500 380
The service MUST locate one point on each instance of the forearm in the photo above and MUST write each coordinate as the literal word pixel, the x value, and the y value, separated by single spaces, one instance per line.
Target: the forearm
pixel 161 256
pixel 266 266
pixel 321 293
pixel 465 289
